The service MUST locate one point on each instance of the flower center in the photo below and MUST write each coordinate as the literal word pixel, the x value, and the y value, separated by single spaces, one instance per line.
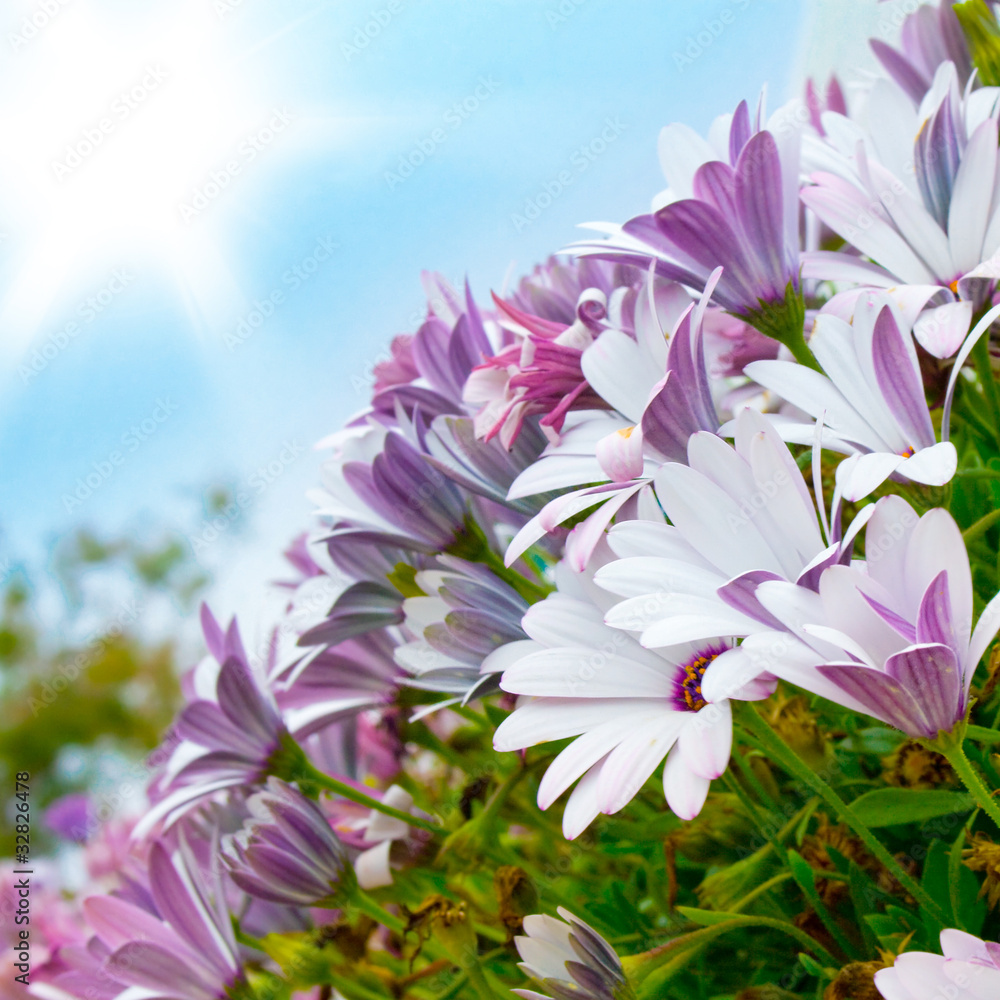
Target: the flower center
pixel 908 453
pixel 689 683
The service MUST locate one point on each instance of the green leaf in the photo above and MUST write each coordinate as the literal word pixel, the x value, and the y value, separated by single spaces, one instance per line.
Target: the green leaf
pixel 865 896
pixel 806 879
pixel 936 881
pixel 893 806
pixel 982 735
pixel 981 30
pixel 706 918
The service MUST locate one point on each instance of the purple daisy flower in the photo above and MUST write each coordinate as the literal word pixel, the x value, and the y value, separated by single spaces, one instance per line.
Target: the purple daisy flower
pixel 231 734
pixel 465 630
pixel 570 960
pixel 183 948
pixel 743 216
pixel 893 637
pixel 930 36
pixel 287 852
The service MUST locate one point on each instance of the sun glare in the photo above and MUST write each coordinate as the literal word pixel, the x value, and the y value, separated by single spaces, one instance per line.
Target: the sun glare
pixel 117 150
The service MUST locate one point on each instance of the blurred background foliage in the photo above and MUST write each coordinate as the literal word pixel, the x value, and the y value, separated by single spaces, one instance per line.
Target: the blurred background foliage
pixel 91 650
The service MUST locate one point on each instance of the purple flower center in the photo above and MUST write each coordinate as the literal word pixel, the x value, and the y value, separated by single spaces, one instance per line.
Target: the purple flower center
pixel 689 681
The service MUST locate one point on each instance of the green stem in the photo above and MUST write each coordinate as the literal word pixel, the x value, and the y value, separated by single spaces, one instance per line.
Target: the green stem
pixel 778 750
pixel 809 887
pixel 529 590
pixel 759 891
pixel 978 474
pixel 748 804
pixel 346 791
pixel 653 968
pixel 984 369
pixel 363 902
pixel 981 526
pixel 746 769
pixel 950 744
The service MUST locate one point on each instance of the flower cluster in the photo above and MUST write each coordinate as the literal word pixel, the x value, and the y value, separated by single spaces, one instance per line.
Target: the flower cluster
pixel 691 539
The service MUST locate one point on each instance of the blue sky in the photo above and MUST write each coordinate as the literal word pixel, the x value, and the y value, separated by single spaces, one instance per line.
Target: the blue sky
pixel 172 172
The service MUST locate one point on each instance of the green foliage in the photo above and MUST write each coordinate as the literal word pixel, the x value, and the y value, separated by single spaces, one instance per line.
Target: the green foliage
pixel 113 692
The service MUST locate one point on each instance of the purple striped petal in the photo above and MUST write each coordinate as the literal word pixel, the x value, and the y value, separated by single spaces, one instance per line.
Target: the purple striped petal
pixel 204 723
pixel 901 385
pixel 937 157
pixel 244 705
pixel 741 593
pixel 361 608
pixel 703 234
pixel 884 696
pixel 183 907
pixel 759 196
pixel 739 131
pixel 912 82
pixel 714 183
pixel 667 423
pixel 931 672
pixel 141 963
pixel 900 624
pixel 935 623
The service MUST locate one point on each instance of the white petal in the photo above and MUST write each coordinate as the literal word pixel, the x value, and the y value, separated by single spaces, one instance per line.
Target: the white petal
pixel 372 866
pixel 565 621
pixel 582 807
pixel 699 509
pixel 971 197
pixel 841 210
pixel 542 720
pixel 983 634
pixel 634 759
pixel 684 790
pixel 589 673
pixel 616 370
pixel 651 538
pixel 641 575
pixel 590 748
pixel 508 654
pixel 860 475
pixel 707 740
pixel 941 331
pixel 932 466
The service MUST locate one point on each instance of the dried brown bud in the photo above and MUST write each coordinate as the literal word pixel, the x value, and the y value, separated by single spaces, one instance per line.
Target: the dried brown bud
pixel 982 855
pixel 795 722
pixel 914 766
pixel 516 897
pixel 855 982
